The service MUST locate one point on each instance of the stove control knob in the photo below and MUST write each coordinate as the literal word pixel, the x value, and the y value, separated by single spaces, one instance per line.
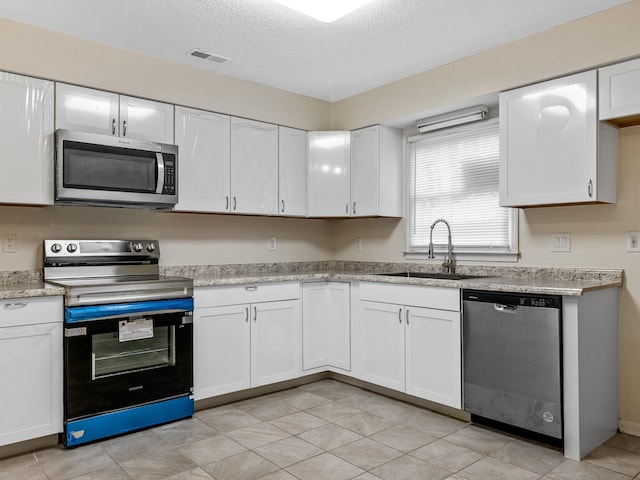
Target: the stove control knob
pixel 137 247
pixel 151 247
pixel 56 247
pixel 72 247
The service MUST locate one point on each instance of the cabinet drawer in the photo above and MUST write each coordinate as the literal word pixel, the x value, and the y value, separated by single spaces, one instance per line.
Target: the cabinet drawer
pixel 440 298
pixel 16 312
pixel 237 294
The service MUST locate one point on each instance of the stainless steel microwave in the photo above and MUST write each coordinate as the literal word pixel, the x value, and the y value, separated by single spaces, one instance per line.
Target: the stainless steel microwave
pixel 94 169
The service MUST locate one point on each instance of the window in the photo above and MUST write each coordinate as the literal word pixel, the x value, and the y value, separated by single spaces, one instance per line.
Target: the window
pixel 453 174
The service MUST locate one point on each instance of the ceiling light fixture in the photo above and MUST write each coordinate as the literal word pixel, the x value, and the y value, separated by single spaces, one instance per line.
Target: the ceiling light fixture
pixel 324 10
pixel 459 117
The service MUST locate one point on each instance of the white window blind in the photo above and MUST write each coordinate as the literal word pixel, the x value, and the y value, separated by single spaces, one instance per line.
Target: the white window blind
pixel 453 174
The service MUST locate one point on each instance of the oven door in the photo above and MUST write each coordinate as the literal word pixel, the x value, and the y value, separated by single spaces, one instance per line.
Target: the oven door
pixel 123 355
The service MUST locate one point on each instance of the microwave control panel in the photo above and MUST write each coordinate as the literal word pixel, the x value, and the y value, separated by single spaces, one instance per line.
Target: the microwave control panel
pixel 169 187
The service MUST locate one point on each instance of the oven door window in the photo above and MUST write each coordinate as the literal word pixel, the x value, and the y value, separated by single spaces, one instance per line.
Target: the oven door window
pixel 112 355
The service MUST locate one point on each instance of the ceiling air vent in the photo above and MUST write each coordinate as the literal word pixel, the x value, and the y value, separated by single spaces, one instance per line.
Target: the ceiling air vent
pixel 212 57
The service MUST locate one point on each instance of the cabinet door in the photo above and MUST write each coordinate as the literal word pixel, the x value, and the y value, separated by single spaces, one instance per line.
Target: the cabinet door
pixel 221 350
pixel 329 170
pixel 146 120
pixel 315 325
pixel 203 141
pixel 339 325
pixel 619 92
pixel 292 165
pixel 31 382
pixel 365 171
pixel 548 142
pixel 380 340
pixel 433 358
pixel 86 110
pixel 254 167
pixel 26 140
pixel 275 342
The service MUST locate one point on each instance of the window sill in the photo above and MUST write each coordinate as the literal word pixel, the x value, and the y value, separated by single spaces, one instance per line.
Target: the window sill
pixel 467 256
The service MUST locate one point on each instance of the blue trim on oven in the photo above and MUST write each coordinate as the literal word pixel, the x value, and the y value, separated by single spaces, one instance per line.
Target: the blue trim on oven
pixel 79 432
pixel 91 312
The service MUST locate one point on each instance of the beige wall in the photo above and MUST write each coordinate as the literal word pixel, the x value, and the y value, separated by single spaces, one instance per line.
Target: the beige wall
pixel 597 231
pixel 583 44
pixel 43 53
pixel 185 239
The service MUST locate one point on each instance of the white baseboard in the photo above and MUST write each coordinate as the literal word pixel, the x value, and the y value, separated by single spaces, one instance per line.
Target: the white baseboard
pixel 631 428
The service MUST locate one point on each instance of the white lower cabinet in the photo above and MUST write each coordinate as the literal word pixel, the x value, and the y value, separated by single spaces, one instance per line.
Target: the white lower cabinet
pixel 221 350
pixel 245 336
pixel 31 366
pixel 326 326
pixel 404 344
pixel 275 342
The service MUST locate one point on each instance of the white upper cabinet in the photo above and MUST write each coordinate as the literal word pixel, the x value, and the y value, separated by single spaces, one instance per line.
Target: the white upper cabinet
pixel 254 167
pixel 204 167
pixel 553 149
pixel 619 89
pixel 376 172
pixel 146 120
pixel 328 176
pixel 26 140
pixel 292 165
pixel 107 113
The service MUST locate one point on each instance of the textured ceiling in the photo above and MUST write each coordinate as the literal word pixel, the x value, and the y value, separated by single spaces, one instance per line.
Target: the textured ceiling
pixel 270 44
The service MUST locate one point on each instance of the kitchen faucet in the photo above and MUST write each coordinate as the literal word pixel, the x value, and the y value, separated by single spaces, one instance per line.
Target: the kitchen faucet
pixel 448 259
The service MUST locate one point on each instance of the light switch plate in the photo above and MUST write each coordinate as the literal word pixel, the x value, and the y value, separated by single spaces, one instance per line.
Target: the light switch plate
pixel 560 242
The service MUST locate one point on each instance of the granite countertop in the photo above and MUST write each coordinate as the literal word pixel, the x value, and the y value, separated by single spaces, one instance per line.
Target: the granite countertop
pixel 542 280
pixel 24 284
pixel 537 280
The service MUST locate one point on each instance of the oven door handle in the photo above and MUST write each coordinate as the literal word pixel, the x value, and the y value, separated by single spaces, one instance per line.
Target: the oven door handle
pixel 119 310
pixel 120 297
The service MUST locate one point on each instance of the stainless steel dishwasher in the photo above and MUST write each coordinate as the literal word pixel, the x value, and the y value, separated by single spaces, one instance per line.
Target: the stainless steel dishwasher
pixel 512 357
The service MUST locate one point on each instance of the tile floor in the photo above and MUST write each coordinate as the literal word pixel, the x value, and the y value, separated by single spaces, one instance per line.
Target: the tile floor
pixel 322 431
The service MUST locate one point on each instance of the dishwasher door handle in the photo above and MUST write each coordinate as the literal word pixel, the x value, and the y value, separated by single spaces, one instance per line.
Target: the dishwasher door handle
pixel 500 307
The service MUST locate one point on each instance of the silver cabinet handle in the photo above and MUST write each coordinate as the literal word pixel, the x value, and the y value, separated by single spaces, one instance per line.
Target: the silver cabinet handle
pixel 406 314
pixel 235 203
pixel 255 313
pixel 251 288
pixel 124 128
pixel 246 311
pixel 346 209
pixel 226 206
pixel 354 208
pixel 282 206
pixel 590 188
pixel 14 306
pixel 400 315
pixel 113 126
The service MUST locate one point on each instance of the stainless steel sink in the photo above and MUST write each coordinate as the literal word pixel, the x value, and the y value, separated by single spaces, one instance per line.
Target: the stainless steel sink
pixel 435 276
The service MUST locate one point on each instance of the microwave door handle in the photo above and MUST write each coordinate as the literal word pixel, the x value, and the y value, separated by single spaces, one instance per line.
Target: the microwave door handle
pixel 160 162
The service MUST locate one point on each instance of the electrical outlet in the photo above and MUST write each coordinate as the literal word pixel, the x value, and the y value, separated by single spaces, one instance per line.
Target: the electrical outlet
pixel 358 244
pixel 273 243
pixel 9 242
pixel 633 241
pixel 560 242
